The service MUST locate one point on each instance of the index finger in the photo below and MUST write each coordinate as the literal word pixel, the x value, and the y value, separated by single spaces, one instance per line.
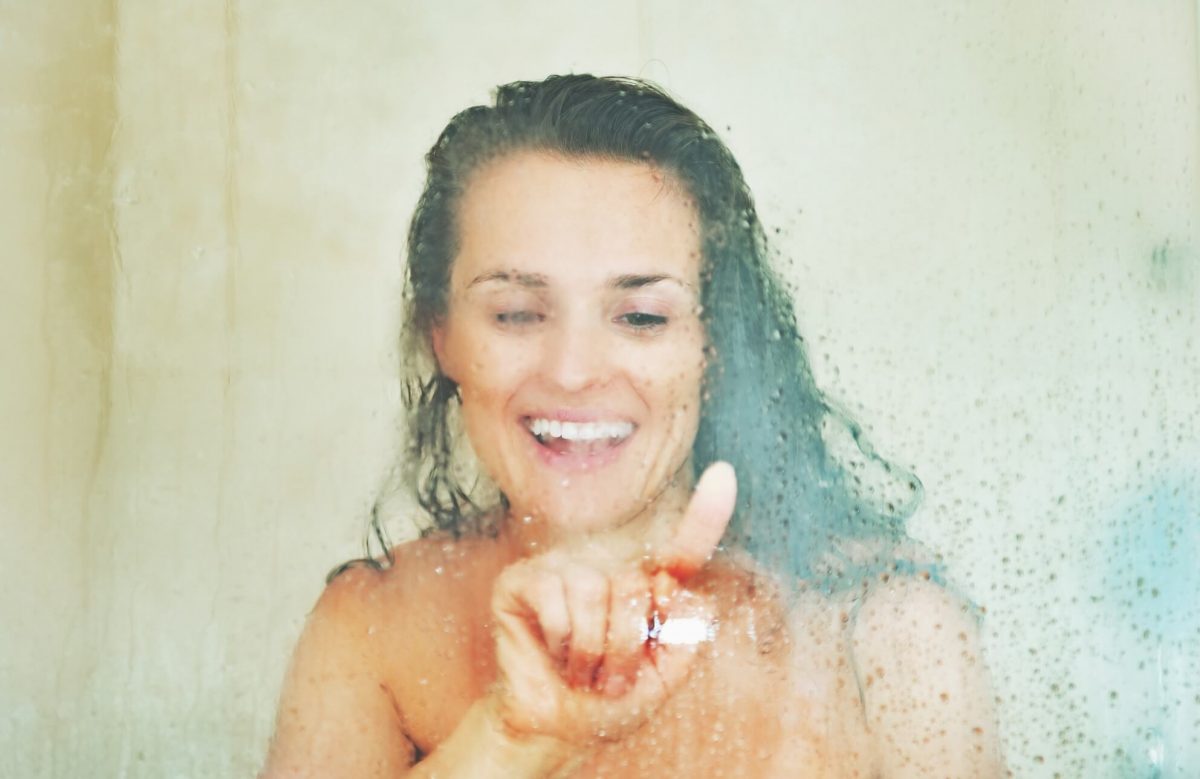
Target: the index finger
pixel 703 524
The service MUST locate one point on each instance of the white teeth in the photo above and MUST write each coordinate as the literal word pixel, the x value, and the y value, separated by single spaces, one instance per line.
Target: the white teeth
pixel 579 431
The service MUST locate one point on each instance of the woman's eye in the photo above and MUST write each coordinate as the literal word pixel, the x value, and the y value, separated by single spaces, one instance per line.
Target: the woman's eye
pixel 639 320
pixel 518 317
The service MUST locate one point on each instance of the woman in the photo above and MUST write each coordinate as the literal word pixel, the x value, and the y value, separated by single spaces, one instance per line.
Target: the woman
pixel 589 287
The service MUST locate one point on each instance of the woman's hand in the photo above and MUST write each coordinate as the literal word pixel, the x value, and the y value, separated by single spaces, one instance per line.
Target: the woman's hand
pixel 588 649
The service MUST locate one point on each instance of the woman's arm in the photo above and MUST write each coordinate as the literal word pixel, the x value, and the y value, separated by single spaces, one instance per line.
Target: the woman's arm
pixel 481 746
pixel 338 719
pixel 576 663
pixel 927 697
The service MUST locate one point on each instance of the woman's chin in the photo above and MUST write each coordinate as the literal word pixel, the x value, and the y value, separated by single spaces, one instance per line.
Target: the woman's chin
pixel 581 515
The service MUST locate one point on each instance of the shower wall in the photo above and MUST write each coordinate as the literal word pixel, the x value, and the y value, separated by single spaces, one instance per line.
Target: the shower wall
pixel 56 311
pixel 990 216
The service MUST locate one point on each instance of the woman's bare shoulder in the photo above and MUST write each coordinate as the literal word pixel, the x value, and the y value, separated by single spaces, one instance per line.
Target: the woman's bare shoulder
pixel 895 610
pixel 338 712
pixel 917 652
pixel 351 696
pixel 416 574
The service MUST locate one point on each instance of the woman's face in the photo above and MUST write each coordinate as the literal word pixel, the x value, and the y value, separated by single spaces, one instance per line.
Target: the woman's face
pixel 573 332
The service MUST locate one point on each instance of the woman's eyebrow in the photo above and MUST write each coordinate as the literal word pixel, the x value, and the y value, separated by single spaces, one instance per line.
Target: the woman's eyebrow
pixel 524 279
pixel 635 280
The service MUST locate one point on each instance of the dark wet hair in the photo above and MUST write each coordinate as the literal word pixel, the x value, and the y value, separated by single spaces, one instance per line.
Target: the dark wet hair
pixel 800 508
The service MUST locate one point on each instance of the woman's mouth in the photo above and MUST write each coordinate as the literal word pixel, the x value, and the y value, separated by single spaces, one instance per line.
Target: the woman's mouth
pixel 578 444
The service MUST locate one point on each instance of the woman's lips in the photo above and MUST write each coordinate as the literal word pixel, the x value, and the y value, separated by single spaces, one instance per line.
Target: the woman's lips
pixel 578 446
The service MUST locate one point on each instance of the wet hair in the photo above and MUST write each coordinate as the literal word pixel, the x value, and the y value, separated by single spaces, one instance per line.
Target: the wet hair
pixel 813 499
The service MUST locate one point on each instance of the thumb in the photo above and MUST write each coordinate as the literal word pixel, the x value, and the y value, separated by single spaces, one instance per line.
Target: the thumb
pixel 703 524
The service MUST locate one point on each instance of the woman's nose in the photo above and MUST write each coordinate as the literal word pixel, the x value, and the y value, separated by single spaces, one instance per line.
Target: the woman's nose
pixel 575 356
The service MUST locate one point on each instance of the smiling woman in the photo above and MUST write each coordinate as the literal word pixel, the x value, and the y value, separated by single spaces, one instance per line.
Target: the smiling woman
pixel 589 301
pixel 573 334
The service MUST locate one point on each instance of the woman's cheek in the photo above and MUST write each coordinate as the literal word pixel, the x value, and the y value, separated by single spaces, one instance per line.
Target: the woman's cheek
pixel 496 363
pixel 677 369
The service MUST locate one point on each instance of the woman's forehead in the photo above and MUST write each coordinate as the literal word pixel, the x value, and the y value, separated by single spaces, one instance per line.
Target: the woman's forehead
pixel 540 214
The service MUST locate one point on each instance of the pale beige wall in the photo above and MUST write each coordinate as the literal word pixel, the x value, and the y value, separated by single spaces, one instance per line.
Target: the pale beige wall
pixel 58 114
pixel 993 220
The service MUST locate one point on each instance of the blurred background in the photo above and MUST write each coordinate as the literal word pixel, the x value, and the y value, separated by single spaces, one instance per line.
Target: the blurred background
pixel 990 213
